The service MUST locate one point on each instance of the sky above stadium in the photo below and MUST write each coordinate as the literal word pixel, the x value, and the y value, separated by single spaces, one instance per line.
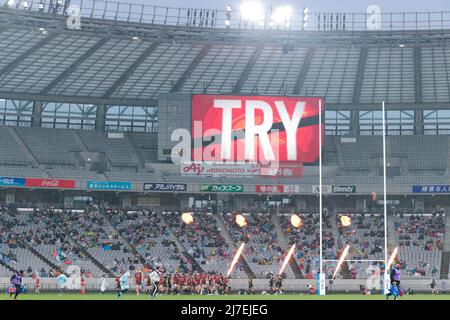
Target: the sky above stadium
pixel 317 5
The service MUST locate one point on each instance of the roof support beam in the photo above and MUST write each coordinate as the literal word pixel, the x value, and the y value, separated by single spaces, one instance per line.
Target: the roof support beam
pixel 73 66
pixel 124 77
pixel 248 68
pixel 418 73
pixel 7 69
pixel 304 71
pixel 187 73
pixel 77 99
pixel 360 74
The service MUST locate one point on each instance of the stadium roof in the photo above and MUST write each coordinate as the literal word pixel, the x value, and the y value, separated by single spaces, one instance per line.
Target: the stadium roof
pixel 131 63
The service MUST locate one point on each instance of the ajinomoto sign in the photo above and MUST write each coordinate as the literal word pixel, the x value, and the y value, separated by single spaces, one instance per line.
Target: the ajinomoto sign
pixel 275 169
pixel 255 128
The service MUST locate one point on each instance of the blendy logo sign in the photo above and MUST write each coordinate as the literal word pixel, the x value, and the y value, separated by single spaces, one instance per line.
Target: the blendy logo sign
pixel 255 128
pixel 344 189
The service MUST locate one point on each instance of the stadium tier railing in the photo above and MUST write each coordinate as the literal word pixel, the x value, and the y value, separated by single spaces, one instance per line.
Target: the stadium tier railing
pixel 217 18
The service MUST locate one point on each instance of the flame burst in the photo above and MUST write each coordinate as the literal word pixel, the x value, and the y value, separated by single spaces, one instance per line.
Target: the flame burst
pixel 286 260
pixel 296 221
pixel 346 221
pixel 341 260
pixel 240 220
pixel 187 217
pixel 236 258
pixel 392 258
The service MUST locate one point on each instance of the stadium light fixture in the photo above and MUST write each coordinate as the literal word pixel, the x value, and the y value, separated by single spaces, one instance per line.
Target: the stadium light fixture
pixel 25 4
pixel 228 15
pixel 41 6
pixel 282 16
pixel 10 3
pixel 252 11
pixel 305 17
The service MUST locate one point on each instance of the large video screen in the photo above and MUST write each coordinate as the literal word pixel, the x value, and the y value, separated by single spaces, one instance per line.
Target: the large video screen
pixel 256 128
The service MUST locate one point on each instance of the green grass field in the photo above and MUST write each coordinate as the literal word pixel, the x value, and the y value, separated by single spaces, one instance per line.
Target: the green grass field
pixel 132 296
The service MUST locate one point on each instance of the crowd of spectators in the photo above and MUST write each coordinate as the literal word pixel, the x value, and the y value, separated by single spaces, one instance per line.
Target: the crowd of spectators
pixel 263 247
pixel 146 232
pixel 425 230
pixel 135 239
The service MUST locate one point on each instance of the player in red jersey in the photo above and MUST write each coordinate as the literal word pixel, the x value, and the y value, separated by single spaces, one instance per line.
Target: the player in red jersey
pixel 226 283
pixel 217 282
pixel 197 279
pixel 182 283
pixel 118 288
pixel 138 281
pixel 203 285
pixel 188 282
pixel 38 283
pixel 211 283
pixel 176 283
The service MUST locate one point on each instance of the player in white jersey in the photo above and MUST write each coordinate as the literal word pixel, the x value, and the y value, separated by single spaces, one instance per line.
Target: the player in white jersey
pixel 155 278
pixel 62 283
pixel 103 284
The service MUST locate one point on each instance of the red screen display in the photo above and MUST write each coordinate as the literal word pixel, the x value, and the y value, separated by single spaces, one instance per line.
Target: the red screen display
pixel 256 128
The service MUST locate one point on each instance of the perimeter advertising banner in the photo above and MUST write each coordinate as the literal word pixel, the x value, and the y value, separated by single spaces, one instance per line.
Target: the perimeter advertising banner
pixel 334 189
pixel 50 183
pixel 255 128
pixel 275 170
pixel 109 185
pixel 344 189
pixel 278 188
pixel 221 188
pixel 165 186
pixel 12 182
pixel 431 189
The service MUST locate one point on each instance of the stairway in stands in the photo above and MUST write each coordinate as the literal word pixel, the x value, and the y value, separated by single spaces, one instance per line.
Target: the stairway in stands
pixel 86 253
pixel 181 248
pixel 7 266
pixel 282 240
pixel 40 256
pixel 97 263
pixel 222 227
pixel 24 147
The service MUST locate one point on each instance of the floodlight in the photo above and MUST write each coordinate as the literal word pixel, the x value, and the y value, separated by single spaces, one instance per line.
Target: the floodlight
pixel 305 17
pixel 10 3
pixel 282 15
pixel 252 10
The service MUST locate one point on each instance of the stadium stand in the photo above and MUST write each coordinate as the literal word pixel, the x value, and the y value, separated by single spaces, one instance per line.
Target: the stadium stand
pixel 84 106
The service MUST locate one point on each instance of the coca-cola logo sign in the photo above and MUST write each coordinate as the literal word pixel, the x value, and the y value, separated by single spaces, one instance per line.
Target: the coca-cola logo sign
pixel 50 183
